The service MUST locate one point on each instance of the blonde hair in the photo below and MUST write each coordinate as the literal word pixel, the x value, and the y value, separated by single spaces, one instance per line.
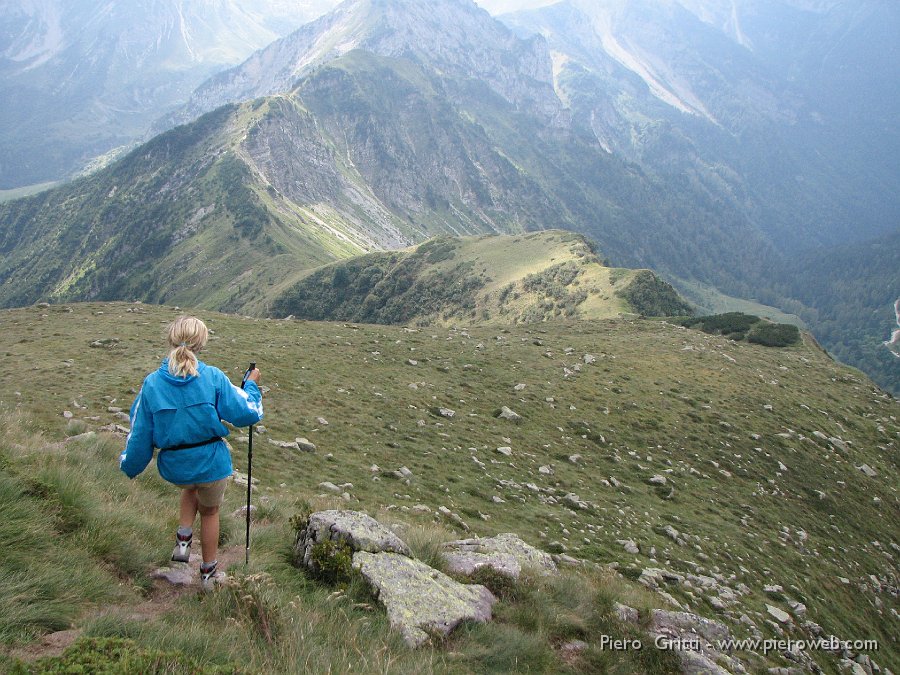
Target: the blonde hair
pixel 187 336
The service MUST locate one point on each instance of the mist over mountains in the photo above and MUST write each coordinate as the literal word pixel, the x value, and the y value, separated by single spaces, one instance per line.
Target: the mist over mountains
pixel 79 79
pixel 726 146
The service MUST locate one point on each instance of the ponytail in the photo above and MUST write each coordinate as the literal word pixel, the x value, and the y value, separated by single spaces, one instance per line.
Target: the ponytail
pixel 187 335
pixel 183 362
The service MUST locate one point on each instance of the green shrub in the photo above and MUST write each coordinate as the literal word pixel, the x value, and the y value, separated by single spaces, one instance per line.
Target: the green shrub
pixel 115 656
pixel 500 584
pixel 300 519
pixel 774 334
pixel 332 562
pixel 733 325
pixel 651 296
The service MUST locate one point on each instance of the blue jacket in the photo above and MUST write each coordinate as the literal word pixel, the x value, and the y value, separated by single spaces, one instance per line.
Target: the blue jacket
pixel 171 411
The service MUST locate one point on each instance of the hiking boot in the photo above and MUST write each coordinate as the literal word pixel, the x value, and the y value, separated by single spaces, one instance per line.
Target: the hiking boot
pixel 210 576
pixel 182 552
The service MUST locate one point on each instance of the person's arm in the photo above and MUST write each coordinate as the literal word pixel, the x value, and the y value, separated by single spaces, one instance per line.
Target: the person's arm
pixel 240 407
pixel 139 444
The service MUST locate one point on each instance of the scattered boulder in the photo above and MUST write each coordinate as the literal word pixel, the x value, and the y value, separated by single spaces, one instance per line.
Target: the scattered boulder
pixel 305 445
pixel 505 450
pixel 778 614
pixel 868 470
pixel 419 599
pixel 684 628
pixel 453 517
pixel 574 501
pixel 626 614
pixel 629 545
pixel 654 577
pixel 117 429
pixel 105 343
pixel 506 553
pixel 179 574
pixel 241 513
pixel 508 414
pixel 358 530
pixel 673 534
pixel 839 444
pixel 241 478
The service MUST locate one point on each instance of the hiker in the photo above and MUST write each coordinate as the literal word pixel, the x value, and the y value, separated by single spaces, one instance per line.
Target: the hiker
pixel 179 411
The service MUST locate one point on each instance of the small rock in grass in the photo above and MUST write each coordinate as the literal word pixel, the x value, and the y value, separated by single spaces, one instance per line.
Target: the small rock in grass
pixel 508 414
pixel 305 445
pixel 778 614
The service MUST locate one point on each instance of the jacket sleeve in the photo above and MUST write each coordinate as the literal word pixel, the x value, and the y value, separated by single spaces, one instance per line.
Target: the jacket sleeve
pixel 240 407
pixel 139 444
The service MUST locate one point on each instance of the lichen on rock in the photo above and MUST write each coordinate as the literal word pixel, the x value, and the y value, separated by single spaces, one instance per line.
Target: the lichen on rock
pixel 506 553
pixel 419 599
pixel 359 531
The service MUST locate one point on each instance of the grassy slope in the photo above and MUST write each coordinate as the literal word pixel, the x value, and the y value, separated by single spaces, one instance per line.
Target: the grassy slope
pixel 658 400
pixel 501 279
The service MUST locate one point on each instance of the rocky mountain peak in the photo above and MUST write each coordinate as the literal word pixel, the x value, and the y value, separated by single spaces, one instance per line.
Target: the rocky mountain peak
pixel 453 38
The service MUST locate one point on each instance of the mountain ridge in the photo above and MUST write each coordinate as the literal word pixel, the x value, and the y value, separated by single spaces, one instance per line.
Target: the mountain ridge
pixel 471 43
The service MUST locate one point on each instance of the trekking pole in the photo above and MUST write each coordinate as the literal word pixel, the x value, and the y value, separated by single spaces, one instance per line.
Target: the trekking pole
pixel 249 471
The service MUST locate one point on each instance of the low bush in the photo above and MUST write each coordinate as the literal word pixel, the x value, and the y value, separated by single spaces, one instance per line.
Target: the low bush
pixel 774 334
pixel 112 656
pixel 332 562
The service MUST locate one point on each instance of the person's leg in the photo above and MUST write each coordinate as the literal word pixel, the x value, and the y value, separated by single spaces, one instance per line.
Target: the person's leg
pixel 189 506
pixel 210 497
pixel 209 532
pixel 187 514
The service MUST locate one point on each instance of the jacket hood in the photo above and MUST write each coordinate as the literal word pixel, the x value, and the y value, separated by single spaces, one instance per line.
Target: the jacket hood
pixel 179 381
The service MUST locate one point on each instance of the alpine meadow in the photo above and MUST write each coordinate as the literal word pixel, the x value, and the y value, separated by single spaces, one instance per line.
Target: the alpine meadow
pixel 577 327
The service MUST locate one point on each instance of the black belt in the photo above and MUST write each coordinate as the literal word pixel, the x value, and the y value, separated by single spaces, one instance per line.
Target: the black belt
pixel 185 446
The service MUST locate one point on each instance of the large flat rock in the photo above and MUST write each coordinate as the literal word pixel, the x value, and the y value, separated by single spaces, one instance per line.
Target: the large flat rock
pixel 358 530
pixel 420 600
pixel 506 553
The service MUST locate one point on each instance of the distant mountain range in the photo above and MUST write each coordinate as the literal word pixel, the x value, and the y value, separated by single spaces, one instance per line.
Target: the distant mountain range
pixel 79 79
pixel 678 140
pixel 784 109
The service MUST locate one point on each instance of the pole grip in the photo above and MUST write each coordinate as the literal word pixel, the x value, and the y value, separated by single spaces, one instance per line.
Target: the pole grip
pixel 247 374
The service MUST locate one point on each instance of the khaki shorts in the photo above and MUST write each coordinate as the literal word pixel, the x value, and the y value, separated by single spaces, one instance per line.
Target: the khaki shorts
pixel 209 494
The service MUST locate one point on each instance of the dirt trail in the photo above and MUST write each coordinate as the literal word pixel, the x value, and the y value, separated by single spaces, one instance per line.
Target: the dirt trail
pixel 162 598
